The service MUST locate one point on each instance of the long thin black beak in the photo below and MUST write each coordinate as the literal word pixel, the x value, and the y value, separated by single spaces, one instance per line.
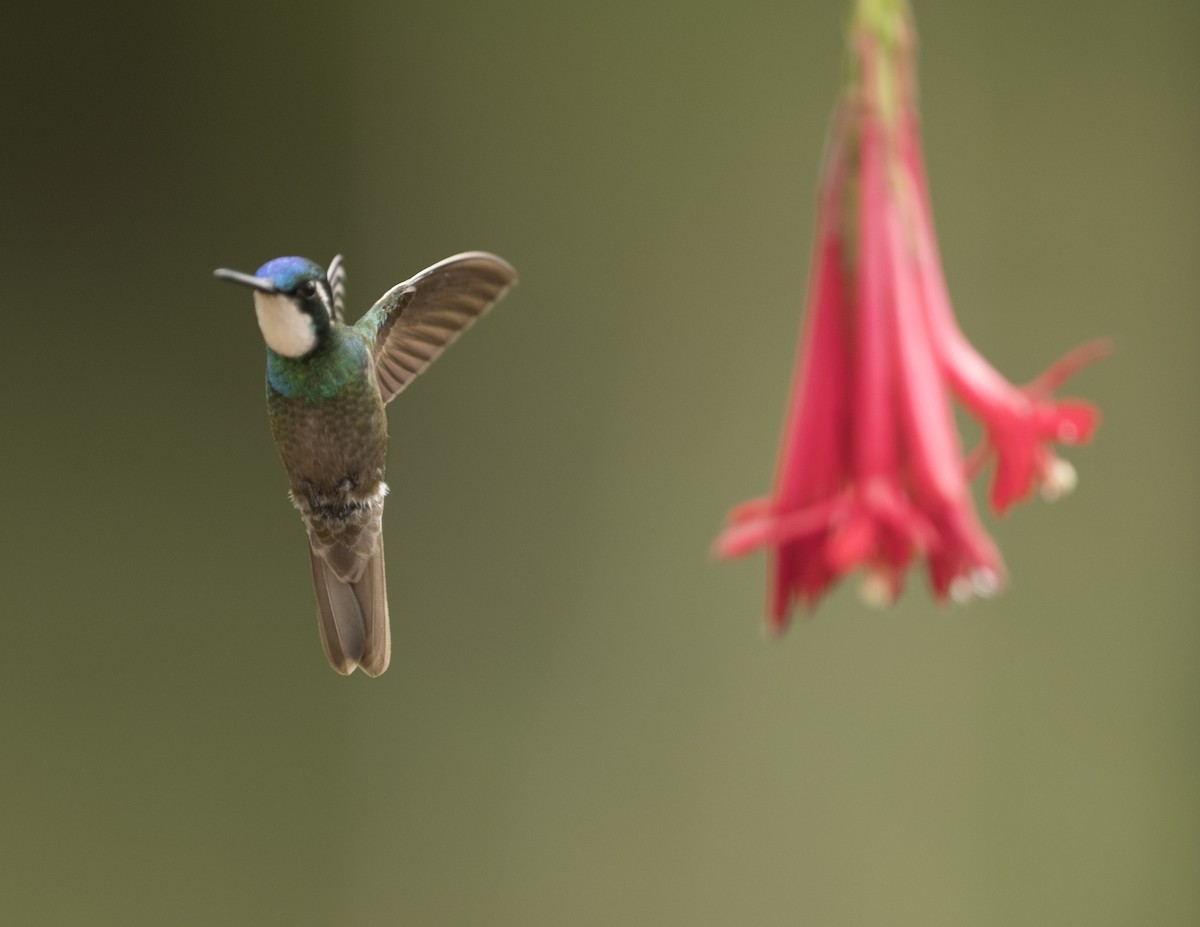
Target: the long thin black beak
pixel 257 283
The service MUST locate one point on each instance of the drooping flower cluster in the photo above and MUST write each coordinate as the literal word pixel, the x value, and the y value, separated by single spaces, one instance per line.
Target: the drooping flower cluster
pixel 871 471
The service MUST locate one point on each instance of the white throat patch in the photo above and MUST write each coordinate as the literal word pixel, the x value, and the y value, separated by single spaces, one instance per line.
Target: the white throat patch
pixel 286 329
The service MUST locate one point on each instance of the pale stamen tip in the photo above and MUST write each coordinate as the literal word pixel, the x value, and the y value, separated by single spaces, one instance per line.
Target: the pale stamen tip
pixel 1059 479
pixel 877 590
pixel 985 583
pixel 962 590
pixel 980 583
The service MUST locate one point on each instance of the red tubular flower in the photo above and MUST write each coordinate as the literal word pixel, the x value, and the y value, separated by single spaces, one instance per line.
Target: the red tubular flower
pixel 871 471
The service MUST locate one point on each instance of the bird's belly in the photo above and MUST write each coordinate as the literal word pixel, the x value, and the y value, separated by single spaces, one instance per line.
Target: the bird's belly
pixel 334 451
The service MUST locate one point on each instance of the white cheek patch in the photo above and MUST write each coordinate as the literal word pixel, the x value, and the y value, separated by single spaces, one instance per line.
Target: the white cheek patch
pixel 286 329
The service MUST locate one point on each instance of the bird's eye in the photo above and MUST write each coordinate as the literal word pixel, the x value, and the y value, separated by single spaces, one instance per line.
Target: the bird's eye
pixel 307 290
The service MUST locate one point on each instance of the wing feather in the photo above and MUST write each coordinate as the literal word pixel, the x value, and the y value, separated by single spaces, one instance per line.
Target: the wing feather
pixel 415 321
pixel 336 275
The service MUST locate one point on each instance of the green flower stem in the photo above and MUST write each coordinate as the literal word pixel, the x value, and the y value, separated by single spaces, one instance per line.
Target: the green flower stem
pixel 887 20
pixel 883 29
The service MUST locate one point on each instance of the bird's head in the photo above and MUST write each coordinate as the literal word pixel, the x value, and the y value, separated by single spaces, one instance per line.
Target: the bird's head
pixel 293 301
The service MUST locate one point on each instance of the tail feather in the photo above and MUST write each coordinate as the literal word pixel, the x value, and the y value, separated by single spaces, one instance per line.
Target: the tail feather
pixel 339 617
pixel 371 592
pixel 353 616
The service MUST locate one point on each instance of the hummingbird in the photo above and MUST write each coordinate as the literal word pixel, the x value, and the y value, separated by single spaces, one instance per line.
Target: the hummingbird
pixel 328 384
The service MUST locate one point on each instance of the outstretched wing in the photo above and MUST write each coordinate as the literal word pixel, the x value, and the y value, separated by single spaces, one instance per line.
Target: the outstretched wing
pixel 336 275
pixel 417 320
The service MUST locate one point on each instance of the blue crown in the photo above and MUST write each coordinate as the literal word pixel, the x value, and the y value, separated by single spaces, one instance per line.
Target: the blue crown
pixel 288 272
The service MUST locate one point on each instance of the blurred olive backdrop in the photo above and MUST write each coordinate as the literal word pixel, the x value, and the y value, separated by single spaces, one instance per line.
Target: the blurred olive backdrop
pixel 582 724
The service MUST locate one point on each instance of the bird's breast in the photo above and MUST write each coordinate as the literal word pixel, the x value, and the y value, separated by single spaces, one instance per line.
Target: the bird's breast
pixel 333 449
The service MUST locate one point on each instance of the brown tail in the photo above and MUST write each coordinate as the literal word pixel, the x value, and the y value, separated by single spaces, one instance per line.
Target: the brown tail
pixel 353 616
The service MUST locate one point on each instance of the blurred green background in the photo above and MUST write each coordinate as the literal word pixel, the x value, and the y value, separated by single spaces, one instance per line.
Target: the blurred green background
pixel 582 724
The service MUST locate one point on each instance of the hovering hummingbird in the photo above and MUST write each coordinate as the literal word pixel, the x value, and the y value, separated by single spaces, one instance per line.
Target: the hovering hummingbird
pixel 327 386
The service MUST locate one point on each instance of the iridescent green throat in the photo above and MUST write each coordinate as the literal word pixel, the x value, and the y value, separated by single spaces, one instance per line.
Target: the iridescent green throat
pixel 320 375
